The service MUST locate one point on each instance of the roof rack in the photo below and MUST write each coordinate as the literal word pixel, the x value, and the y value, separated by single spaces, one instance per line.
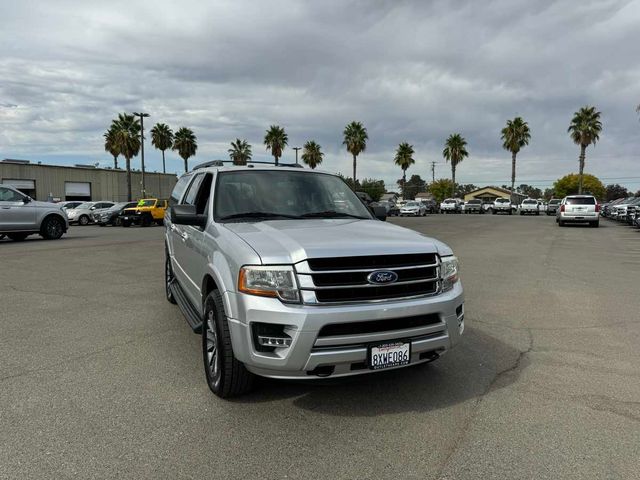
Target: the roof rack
pixel 220 163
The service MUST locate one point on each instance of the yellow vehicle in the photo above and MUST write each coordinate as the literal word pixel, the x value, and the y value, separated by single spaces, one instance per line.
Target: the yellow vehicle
pixel 147 212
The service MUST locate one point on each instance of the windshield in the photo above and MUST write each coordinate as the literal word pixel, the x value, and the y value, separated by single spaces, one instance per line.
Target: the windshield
pixel 85 205
pixel 530 202
pixel 146 203
pixel 270 194
pixel 412 204
pixel 474 202
pixel 554 202
pixel 448 200
pixel 502 200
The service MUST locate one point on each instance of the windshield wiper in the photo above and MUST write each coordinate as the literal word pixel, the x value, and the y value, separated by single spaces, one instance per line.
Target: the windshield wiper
pixel 257 215
pixel 332 214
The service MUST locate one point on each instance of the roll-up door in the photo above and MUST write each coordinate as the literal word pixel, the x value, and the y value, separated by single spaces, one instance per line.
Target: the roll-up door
pixel 77 190
pixel 28 187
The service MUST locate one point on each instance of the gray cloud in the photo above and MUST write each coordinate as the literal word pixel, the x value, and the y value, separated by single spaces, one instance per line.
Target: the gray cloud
pixel 409 70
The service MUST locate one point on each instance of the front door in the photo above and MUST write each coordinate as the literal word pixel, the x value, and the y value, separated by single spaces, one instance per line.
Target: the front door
pixel 15 214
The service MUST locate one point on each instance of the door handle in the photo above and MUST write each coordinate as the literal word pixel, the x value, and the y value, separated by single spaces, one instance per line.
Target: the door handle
pixel 6 208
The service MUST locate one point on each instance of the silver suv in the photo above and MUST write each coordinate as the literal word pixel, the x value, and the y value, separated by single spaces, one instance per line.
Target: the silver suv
pixel 21 216
pixel 287 274
pixel 579 209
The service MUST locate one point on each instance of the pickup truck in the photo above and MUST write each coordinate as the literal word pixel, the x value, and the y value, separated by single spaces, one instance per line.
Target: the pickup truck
pixel 147 212
pixel 529 206
pixel 502 205
pixel 473 206
pixel 451 205
pixel 281 281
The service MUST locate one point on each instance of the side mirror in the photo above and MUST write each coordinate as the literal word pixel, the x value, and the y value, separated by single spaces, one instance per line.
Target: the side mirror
pixel 186 215
pixel 379 212
pixel 26 199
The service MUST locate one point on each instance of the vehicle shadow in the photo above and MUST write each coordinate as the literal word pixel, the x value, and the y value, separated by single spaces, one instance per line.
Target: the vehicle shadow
pixel 466 372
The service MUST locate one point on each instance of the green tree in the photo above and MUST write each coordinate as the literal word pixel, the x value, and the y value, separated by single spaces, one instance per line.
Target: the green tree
pixel 355 139
pixel 616 191
pixel 548 193
pixel 127 141
pixel 275 140
pixel 312 154
pixel 455 150
pixel 240 152
pixel 404 159
pixel 570 185
pixel 162 139
pixel 375 188
pixel 186 144
pixel 412 187
pixel 515 136
pixel 441 189
pixel 529 191
pixel 111 144
pixel 462 190
pixel 585 129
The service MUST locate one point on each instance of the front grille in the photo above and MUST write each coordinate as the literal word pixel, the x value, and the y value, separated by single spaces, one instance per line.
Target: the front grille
pixel 345 279
pixel 377 326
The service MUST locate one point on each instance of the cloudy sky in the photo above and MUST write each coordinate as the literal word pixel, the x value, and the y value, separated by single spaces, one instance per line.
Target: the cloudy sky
pixel 411 71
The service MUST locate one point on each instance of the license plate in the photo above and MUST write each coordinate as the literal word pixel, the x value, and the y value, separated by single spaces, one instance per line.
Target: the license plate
pixel 386 355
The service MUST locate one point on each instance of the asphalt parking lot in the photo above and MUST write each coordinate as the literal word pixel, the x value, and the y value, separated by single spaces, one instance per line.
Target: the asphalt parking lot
pixel 100 377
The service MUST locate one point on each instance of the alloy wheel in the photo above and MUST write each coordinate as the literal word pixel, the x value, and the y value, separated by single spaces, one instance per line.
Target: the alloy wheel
pixel 212 347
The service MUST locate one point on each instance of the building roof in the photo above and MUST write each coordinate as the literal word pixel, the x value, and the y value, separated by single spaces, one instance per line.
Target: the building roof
pixel 499 189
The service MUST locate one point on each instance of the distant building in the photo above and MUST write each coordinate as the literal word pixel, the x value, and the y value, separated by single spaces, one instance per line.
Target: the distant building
pixel 424 196
pixel 390 196
pixel 489 194
pixel 81 182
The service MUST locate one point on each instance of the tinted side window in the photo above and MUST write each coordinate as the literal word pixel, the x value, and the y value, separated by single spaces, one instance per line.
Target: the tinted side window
pixel 179 189
pixel 190 198
pixel 7 195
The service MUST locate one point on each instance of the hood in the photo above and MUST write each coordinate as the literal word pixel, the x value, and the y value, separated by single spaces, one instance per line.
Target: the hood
pixel 35 203
pixel 292 241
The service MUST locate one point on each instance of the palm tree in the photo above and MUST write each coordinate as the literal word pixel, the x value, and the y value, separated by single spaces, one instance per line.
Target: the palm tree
pixel 311 154
pixel 404 159
pixel 186 144
pixel 355 139
pixel 240 152
pixel 275 140
pixel 585 130
pixel 454 151
pixel 162 139
pixel 127 141
pixel 110 144
pixel 515 136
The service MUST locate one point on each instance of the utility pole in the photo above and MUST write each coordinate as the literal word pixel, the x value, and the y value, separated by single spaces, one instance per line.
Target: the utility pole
pixel 433 172
pixel 296 149
pixel 142 117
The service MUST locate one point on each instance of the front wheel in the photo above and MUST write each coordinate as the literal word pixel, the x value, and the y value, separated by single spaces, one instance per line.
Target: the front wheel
pixel 226 376
pixel 83 220
pixel 168 277
pixel 594 224
pixel 52 228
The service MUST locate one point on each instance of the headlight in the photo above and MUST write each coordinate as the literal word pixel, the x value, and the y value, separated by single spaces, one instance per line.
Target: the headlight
pixel 269 281
pixel 449 272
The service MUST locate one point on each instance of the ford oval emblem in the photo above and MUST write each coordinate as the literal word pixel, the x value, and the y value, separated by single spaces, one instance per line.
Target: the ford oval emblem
pixel 382 277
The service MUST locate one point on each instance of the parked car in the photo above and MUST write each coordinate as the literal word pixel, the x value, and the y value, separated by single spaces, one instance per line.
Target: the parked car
pixel 502 205
pixel 529 206
pixel 145 213
pixel 473 206
pixel 553 206
pixel 632 207
pixel 430 205
pixel 451 205
pixel 413 209
pixel 619 210
pixel 579 209
pixel 82 213
pixel 111 215
pixel 280 284
pixel 21 216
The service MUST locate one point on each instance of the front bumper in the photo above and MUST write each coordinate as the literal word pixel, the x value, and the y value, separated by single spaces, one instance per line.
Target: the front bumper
pixel 414 213
pixel 343 355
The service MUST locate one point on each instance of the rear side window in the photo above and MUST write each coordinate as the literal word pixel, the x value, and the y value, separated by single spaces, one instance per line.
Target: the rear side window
pixel 179 189
pixel 581 201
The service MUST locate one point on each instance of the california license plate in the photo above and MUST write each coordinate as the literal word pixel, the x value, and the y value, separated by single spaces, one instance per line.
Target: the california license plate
pixel 386 355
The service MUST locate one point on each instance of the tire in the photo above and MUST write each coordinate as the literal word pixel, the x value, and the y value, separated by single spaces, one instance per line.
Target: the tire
pixel 126 223
pixel 510 212
pixel 521 214
pixel 102 224
pixel 493 212
pixel 83 220
pixel 17 237
pixel 52 228
pixel 595 224
pixel 560 223
pixel 225 375
pixel 145 221
pixel 168 278
pixel 537 214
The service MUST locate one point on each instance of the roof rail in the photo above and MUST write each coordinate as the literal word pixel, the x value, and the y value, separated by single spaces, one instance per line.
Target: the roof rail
pixel 220 163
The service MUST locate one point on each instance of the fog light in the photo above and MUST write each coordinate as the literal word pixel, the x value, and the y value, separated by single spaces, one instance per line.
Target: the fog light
pixel 274 341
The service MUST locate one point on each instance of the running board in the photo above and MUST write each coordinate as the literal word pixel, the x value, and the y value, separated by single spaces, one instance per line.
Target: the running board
pixel 190 313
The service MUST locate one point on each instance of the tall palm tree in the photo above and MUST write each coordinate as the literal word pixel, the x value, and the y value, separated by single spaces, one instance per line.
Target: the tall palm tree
pixel 110 144
pixel 240 152
pixel 455 150
pixel 127 140
pixel 162 139
pixel 355 139
pixel 275 140
pixel 515 136
pixel 585 130
pixel 312 154
pixel 404 159
pixel 186 144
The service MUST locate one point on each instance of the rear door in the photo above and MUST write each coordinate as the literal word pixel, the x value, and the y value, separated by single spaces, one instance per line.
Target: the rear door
pixel 14 213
